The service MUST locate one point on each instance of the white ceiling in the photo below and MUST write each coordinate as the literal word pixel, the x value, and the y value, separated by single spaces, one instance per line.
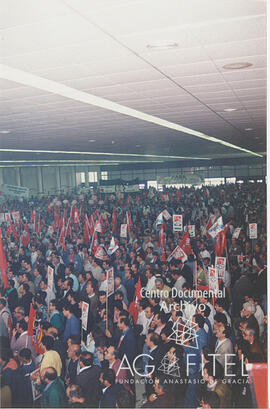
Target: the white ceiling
pixel 100 47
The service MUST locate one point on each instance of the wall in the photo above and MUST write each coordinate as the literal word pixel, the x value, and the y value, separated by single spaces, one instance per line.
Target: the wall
pixel 53 179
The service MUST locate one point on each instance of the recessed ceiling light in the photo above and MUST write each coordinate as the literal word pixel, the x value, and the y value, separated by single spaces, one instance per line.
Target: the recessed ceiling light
pixel 248 129
pixel 237 65
pixel 161 46
pixel 138 146
pixel 113 142
pixel 230 109
pixel 4 131
pixel 91 140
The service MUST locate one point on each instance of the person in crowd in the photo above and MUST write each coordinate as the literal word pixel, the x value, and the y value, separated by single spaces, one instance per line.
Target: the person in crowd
pixel 86 339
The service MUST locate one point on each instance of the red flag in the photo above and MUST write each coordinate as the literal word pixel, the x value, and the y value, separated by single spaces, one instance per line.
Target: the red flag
pixel 210 224
pixel 185 244
pixel 25 238
pixel 68 230
pixel 11 227
pixel 221 242
pixel 31 320
pixel 3 262
pixel 10 326
pixel 114 222
pixel 132 308
pixel 62 241
pixel 76 216
pixel 86 230
pixel 94 244
pixel 129 221
pixel 91 225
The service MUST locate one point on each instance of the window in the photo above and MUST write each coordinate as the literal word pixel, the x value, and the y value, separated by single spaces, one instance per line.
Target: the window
pixel 214 181
pixel 104 175
pixel 230 180
pixel 80 178
pixel 92 176
pixel 152 183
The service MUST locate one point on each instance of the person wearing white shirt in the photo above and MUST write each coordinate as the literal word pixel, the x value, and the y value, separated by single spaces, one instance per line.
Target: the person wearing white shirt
pixel 151 280
pixel 179 281
pixel 103 282
pixel 259 314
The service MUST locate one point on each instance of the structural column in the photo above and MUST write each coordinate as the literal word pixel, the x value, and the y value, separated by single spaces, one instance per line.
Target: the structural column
pixel 18 176
pixel 39 180
pixel 86 172
pixel 73 176
pixel 57 179
pixel 1 176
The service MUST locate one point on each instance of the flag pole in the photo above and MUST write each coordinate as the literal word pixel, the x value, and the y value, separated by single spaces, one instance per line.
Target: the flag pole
pixel 107 305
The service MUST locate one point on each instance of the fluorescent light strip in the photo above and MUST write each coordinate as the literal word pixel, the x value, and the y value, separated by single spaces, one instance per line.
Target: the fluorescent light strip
pixel 100 153
pixel 74 161
pixel 22 77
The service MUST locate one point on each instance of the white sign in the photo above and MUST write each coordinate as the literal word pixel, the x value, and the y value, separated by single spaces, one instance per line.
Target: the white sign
pixel 14 191
pixel 107 189
pixel 16 216
pixel 213 279
pixel 220 264
pixel 110 281
pixel 236 233
pixel 191 230
pixel 252 228
pixel 50 278
pixel 177 222
pixel 123 230
pixel 132 188
pixel 84 318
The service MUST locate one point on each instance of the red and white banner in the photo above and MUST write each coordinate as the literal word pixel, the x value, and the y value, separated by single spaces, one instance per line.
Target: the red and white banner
pixel 178 254
pixel 50 273
pixel 220 265
pixel 236 232
pixel 213 279
pixel 177 222
pixel 100 253
pixel 123 230
pixel 191 230
pixel 110 281
pixel 252 230
pixel 84 317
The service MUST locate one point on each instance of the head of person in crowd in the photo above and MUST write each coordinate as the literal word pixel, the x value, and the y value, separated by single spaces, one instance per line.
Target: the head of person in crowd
pixel 210 400
pixel 248 309
pixel 75 394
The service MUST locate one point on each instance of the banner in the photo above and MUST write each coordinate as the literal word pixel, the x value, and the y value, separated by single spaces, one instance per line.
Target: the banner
pixel 236 233
pixel 2 218
pixel 50 272
pixel 252 228
pixel 178 254
pixel 216 228
pixel 213 279
pixel 177 222
pixel 123 230
pixel 14 191
pixel 84 317
pixel 191 230
pixel 110 281
pixel 220 265
pixel 16 216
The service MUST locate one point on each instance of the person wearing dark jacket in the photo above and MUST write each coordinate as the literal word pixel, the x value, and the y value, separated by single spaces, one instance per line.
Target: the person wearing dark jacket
pixel 110 389
pixel 88 379
pixel 127 343
pixel 26 298
pixel 53 394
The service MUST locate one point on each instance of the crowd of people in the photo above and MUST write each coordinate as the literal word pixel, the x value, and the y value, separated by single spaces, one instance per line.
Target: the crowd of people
pixel 151 334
